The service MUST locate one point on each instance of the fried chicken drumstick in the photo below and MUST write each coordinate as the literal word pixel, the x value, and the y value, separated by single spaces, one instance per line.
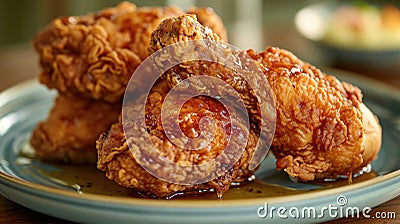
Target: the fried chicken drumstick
pixel 322 128
pixel 93 57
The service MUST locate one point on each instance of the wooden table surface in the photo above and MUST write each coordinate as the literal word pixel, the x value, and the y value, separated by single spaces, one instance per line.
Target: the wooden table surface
pixel 14 213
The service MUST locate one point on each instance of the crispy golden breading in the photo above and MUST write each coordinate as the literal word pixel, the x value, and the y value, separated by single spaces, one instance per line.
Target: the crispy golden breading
pixel 95 55
pixel 319 128
pixel 320 131
pixel 115 158
pixel 71 129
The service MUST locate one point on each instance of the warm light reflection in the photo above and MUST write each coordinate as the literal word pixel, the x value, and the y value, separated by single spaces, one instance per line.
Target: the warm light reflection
pixel 6 123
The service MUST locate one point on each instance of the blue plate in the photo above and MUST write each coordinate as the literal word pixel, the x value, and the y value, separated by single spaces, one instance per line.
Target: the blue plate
pixel 83 194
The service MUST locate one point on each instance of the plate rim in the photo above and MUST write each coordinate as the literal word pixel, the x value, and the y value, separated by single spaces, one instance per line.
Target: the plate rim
pixel 201 203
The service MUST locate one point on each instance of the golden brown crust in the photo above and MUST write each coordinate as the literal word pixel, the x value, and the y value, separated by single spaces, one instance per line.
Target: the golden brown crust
pixel 95 55
pixel 187 28
pixel 319 129
pixel 115 158
pixel 71 129
pixel 179 29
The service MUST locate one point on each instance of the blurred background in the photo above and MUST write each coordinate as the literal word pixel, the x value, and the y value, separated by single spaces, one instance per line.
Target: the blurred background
pixel 250 24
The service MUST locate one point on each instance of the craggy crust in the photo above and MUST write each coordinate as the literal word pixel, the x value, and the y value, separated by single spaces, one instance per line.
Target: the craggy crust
pixel 319 124
pixel 71 129
pixel 186 28
pixel 319 129
pixel 95 55
pixel 115 158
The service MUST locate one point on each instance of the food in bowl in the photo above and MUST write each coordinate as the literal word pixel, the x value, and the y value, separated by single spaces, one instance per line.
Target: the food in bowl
pixel 364 26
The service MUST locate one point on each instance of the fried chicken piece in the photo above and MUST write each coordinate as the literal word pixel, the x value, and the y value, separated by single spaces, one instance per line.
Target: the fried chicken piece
pixel 322 125
pixel 123 167
pixel 322 128
pixel 95 55
pixel 72 128
pixel 120 165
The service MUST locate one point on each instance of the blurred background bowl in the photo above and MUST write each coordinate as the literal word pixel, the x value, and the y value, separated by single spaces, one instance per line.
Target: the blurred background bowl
pixel 313 23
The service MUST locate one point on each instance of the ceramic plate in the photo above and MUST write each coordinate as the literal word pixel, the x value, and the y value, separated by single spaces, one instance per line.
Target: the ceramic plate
pixel 83 194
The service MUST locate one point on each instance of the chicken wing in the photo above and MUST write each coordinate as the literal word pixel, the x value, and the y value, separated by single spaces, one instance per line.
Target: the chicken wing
pixel 72 128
